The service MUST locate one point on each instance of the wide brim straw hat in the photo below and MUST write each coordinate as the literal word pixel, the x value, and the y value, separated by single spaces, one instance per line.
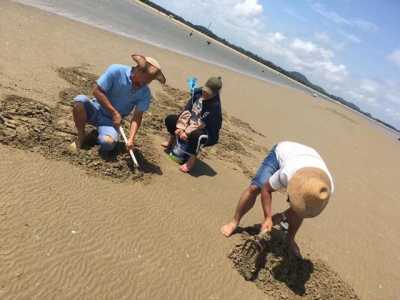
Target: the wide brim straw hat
pixel 309 192
pixel 151 66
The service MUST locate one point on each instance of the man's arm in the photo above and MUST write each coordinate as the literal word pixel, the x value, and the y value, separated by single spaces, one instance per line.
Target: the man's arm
pixel 135 125
pixel 266 202
pixel 103 100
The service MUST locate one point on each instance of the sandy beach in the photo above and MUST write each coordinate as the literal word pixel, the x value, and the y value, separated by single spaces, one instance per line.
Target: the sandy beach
pixel 75 227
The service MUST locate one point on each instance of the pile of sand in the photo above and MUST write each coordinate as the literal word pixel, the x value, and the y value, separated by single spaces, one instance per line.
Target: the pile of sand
pixel 268 263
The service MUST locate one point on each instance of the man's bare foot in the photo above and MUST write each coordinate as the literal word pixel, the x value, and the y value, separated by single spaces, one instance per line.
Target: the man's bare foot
pixel 73 147
pixel 228 229
pixel 76 145
pixel 294 248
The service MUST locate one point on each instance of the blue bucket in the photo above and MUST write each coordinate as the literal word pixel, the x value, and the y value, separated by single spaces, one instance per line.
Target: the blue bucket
pixel 179 152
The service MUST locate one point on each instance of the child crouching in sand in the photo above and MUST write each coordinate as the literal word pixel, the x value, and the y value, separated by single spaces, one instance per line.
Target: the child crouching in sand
pixel 300 170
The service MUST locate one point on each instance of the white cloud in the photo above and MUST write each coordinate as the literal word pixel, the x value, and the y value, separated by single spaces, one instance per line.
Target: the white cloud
pixel 380 97
pixel 395 57
pixel 232 19
pixel 322 37
pixel 247 8
pixel 365 25
pixel 308 48
pixel 394 97
pixel 301 45
pixel 369 86
pixel 338 19
pixel 278 37
pixel 326 40
pixel 351 37
pixel 300 55
pixel 331 15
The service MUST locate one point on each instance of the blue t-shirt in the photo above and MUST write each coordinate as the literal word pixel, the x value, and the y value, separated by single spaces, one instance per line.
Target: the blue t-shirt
pixel 116 83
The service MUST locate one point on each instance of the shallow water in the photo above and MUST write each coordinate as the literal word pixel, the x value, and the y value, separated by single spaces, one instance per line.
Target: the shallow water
pixel 131 19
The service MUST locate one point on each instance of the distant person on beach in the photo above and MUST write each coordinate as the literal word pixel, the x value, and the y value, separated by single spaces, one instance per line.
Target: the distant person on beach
pixel 202 115
pixel 301 171
pixel 120 90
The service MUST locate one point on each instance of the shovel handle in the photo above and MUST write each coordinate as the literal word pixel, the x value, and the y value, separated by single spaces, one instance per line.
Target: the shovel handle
pixel 121 130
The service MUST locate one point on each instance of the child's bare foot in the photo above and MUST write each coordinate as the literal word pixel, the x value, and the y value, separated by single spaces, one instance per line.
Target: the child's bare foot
pixel 186 167
pixel 294 248
pixel 228 229
pixel 166 144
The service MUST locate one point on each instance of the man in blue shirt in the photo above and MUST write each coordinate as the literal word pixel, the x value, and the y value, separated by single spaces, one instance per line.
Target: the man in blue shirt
pixel 119 90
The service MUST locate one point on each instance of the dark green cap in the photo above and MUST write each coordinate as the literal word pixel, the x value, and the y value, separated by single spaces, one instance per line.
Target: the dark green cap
pixel 214 84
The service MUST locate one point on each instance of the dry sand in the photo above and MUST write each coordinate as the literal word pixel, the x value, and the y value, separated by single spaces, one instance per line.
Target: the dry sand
pixel 66 234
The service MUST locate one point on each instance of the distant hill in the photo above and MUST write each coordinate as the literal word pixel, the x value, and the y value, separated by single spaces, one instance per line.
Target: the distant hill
pixel 291 74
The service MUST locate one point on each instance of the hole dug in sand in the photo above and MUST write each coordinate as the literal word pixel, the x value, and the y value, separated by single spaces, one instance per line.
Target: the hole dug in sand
pixel 268 263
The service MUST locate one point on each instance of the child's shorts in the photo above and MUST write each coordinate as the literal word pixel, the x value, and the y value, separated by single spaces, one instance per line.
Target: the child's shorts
pixel 268 167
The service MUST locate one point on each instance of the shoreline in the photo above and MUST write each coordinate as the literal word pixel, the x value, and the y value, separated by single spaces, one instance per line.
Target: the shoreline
pixel 391 131
pixel 303 88
pixel 300 87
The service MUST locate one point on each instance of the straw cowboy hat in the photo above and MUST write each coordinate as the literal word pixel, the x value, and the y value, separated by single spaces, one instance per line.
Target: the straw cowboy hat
pixel 151 66
pixel 309 191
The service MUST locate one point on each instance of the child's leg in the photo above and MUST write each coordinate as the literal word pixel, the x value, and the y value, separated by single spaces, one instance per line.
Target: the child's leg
pixel 170 123
pixel 268 167
pixel 193 141
pixel 246 202
pixel 168 143
pixel 294 222
pixel 187 166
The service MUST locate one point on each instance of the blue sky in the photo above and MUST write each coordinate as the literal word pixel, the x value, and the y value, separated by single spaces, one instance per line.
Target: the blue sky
pixel 349 47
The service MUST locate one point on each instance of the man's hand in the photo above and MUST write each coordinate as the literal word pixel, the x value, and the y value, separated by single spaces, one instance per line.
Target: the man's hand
pixel 267 225
pixel 130 145
pixel 183 136
pixel 116 117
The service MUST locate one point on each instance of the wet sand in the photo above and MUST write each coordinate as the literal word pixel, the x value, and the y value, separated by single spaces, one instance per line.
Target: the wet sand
pixel 70 228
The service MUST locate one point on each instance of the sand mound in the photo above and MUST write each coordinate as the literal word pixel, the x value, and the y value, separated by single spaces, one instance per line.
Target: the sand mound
pixel 269 265
pixel 30 125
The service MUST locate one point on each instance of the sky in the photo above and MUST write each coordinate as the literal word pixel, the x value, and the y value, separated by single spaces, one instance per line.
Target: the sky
pixel 349 47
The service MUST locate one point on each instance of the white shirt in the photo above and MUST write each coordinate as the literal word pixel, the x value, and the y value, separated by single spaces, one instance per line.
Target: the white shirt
pixel 293 157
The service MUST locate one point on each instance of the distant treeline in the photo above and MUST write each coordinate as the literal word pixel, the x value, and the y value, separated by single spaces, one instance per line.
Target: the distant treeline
pixel 291 74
